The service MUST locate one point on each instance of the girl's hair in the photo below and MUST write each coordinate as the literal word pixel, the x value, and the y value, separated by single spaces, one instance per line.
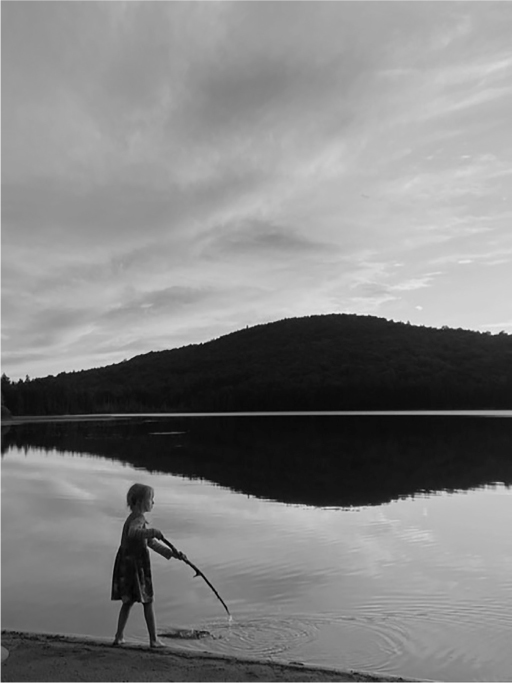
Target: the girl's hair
pixel 139 496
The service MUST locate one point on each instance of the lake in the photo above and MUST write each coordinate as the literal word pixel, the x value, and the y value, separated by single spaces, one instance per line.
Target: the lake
pixel 377 542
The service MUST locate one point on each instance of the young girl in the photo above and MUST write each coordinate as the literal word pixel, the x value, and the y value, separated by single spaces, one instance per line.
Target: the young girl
pixel 131 581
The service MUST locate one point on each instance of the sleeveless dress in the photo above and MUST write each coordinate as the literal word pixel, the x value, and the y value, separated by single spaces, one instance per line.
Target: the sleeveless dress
pixel 131 579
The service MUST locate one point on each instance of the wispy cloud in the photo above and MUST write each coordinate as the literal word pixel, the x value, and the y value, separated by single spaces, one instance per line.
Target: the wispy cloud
pixel 174 171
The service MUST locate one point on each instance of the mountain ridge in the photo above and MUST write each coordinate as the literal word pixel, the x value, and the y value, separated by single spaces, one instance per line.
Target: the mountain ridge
pixel 323 362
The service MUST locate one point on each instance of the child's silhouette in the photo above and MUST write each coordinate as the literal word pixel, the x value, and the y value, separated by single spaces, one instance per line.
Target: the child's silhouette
pixel 131 581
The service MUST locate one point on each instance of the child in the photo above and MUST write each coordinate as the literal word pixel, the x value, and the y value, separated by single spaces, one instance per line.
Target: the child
pixel 131 581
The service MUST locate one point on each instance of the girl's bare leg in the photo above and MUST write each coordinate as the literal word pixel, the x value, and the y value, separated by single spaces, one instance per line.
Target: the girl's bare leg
pixel 149 615
pixel 124 613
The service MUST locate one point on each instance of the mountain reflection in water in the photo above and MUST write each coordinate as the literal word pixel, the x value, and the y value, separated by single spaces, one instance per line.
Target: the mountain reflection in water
pixel 335 461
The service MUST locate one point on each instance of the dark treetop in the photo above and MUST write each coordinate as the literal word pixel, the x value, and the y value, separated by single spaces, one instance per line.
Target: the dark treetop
pixel 321 362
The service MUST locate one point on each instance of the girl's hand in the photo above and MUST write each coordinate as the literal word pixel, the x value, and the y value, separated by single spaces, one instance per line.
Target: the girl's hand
pixel 180 556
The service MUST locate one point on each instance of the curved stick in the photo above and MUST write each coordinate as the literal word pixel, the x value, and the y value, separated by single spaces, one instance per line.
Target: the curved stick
pixel 198 572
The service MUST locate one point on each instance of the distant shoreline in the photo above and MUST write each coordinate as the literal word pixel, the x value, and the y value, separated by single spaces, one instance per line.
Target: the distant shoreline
pixel 22 419
pixel 55 657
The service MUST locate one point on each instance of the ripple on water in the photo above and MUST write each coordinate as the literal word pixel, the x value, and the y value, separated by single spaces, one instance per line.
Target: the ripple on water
pixel 278 636
pixel 462 641
pixel 259 637
pixel 385 637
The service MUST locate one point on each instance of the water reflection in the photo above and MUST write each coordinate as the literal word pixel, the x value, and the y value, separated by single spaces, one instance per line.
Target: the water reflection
pixel 419 587
pixel 327 461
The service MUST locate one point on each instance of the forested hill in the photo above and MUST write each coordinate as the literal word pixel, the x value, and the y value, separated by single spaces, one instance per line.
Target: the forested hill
pixel 323 362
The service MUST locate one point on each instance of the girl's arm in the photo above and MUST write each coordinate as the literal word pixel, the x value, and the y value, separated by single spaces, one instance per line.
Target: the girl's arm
pixel 160 548
pixel 139 530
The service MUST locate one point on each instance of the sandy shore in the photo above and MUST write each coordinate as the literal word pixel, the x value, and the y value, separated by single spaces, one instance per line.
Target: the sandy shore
pixel 45 657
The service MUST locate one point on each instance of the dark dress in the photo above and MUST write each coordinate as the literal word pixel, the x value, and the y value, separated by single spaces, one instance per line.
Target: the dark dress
pixel 132 580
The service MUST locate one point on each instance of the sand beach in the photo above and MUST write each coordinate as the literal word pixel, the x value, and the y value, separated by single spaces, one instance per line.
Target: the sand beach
pixel 53 657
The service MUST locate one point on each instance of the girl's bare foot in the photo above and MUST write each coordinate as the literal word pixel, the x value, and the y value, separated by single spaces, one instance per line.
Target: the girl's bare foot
pixel 157 643
pixel 117 642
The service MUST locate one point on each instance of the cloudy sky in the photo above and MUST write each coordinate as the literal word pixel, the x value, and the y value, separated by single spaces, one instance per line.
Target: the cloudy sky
pixel 174 171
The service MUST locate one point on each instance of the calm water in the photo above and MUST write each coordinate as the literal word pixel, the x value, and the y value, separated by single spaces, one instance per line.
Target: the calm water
pixel 375 543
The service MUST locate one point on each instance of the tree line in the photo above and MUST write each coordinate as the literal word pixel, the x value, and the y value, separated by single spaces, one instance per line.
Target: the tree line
pixel 321 362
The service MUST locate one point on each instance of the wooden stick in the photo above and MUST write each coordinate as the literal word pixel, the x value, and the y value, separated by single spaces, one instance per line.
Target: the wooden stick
pixel 198 572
